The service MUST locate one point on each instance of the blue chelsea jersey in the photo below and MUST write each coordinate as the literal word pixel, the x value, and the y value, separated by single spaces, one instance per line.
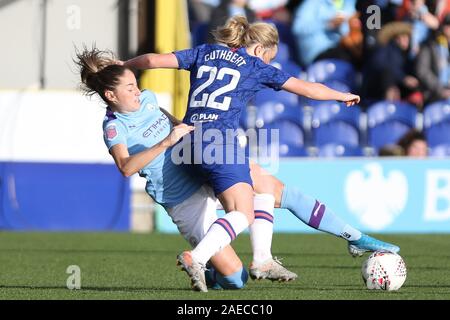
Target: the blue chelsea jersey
pixel 223 80
pixel 167 183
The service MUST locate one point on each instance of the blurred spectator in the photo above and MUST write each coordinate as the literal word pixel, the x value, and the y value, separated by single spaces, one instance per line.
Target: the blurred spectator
pixel 391 151
pixel 319 25
pixel 440 8
pixel 388 75
pixel 423 22
pixel 350 46
pixel 227 9
pixel 433 65
pixel 414 144
pixel 202 9
pixel 270 9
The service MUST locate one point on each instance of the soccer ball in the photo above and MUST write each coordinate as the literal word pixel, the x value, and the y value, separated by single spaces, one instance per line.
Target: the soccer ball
pixel 384 271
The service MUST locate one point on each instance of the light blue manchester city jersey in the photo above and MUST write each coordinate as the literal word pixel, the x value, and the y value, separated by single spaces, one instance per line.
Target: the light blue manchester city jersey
pixel 167 183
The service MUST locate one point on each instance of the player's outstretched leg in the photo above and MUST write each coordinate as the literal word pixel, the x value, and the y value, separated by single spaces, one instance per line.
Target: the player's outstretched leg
pixel 272 269
pixel 194 269
pixel 318 216
pixel 368 244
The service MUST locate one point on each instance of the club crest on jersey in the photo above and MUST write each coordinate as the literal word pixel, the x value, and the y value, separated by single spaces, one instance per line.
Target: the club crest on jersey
pixel 202 117
pixel 111 132
pixel 150 107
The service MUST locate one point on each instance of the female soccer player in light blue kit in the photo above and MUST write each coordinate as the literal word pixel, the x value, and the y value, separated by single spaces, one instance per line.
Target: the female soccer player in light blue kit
pixel 224 78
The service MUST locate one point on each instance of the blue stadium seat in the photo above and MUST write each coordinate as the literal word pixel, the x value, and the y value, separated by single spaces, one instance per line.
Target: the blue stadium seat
pixel 389 121
pixel 288 66
pixel 332 69
pixel 269 96
pixel 289 133
pixel 272 111
pixel 291 139
pixel 339 150
pixel 442 150
pixel 437 123
pixel 325 111
pixel 336 132
pixel 335 123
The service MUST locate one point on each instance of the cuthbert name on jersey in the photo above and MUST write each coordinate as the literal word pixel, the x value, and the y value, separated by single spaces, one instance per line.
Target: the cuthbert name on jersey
pixel 226 55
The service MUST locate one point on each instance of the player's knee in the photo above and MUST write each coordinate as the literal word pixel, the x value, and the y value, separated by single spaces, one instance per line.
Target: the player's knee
pixel 234 281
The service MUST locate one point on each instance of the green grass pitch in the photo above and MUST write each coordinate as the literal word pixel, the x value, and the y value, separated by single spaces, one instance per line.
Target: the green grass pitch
pixel 137 266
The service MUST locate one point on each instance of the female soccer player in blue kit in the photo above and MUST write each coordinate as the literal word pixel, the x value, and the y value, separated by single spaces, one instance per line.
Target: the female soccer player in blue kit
pixel 224 77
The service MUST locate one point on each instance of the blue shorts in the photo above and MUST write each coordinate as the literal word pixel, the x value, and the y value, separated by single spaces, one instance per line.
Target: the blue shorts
pixel 221 175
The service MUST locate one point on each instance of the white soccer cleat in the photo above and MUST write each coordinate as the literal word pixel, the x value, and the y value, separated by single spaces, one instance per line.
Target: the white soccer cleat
pixel 194 269
pixel 271 269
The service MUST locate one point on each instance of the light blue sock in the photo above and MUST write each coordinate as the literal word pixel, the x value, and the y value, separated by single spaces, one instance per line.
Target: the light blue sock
pixel 235 281
pixel 316 215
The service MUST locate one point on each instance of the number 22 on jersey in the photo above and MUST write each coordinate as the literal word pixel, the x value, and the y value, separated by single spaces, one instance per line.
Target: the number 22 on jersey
pixel 209 99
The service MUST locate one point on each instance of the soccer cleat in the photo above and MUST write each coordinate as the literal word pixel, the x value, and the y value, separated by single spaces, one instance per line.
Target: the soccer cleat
pixel 194 269
pixel 368 244
pixel 271 269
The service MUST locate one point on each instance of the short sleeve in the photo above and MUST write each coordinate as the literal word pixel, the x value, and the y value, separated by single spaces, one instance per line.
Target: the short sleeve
pixel 186 58
pixel 114 133
pixel 270 76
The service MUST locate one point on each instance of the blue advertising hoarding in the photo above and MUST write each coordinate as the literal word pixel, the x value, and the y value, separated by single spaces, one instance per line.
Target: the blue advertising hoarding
pixel 380 195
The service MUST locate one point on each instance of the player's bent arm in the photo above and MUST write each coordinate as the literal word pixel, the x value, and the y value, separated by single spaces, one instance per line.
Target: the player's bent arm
pixel 152 61
pixel 129 165
pixel 318 91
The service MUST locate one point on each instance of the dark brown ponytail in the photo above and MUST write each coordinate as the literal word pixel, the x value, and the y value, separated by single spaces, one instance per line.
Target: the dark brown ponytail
pixel 98 71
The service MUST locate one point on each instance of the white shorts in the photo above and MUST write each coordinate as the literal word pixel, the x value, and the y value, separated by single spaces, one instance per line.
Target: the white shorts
pixel 195 215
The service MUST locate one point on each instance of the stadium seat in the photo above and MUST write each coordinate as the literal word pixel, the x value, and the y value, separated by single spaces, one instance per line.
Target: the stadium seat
pixel 389 121
pixel 288 66
pixel 290 133
pixel 336 132
pixel 442 150
pixel 269 112
pixel 437 123
pixel 335 123
pixel 325 112
pixel 290 138
pixel 332 69
pixel 332 150
pixel 271 96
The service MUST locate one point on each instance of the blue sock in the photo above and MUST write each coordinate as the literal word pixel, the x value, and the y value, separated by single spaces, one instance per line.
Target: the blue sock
pixel 316 215
pixel 215 280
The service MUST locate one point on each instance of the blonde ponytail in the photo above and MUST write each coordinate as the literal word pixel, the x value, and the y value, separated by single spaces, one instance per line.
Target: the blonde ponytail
pixel 237 32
